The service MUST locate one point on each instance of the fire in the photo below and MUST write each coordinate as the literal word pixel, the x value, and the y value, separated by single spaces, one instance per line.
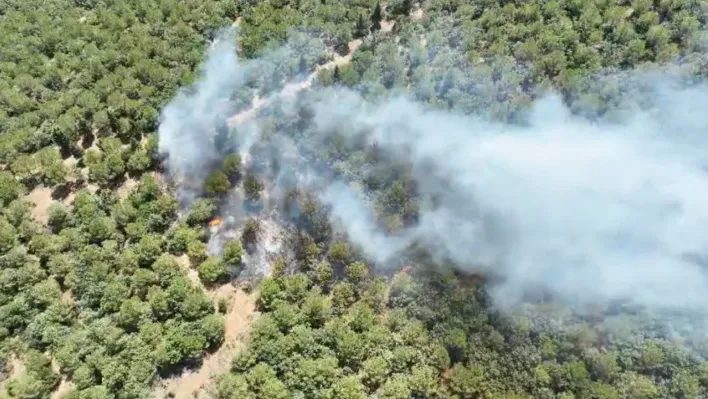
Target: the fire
pixel 406 268
pixel 217 221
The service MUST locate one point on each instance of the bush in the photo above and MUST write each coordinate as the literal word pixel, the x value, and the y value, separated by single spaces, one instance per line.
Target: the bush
pixel 232 166
pixel 202 210
pixel 232 253
pixel 252 187
pixel 212 270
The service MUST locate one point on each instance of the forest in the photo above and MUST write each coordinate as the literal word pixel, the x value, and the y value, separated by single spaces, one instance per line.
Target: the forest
pixel 106 276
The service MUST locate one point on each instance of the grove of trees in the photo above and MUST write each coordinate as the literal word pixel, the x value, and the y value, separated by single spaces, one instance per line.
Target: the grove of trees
pixel 433 335
pixel 96 292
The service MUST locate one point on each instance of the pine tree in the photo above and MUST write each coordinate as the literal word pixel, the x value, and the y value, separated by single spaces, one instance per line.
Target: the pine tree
pixel 406 7
pixel 336 76
pixel 376 18
pixel 360 30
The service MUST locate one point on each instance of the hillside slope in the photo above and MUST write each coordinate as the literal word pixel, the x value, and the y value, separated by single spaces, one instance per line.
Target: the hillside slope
pixel 112 287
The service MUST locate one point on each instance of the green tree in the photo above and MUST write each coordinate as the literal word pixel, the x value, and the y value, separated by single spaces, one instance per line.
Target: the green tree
pixel 202 210
pixel 232 253
pixel 340 253
pixel 179 238
pixel 232 166
pixel 467 381
pixel 196 251
pixel 637 386
pixel 684 385
pixel 323 275
pixel 18 211
pixel 24 167
pixel 8 235
pixel 313 378
pixel 51 165
pixel 349 388
pixel 139 161
pixel 397 387
pixel 100 229
pixel 230 386
pixel 250 233
pixel 10 188
pixel 348 76
pixel 216 184
pixel 252 187
pixel 58 216
pixel 271 291
pixel 265 383
pixel 356 272
pixel 423 381
pixel 316 310
pixel 374 372
pixel 212 327
pixel 149 249
pixel 343 296
pixel 361 29
pixel 132 313
pixel 212 270
pixel 376 18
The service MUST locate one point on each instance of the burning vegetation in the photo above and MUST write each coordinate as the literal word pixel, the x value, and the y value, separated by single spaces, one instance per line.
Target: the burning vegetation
pixel 216 222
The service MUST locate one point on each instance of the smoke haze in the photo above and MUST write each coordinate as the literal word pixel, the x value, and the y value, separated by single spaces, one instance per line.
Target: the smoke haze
pixel 590 211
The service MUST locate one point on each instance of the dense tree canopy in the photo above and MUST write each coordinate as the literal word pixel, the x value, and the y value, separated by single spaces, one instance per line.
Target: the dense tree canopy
pixel 93 288
pixel 96 290
pixel 435 338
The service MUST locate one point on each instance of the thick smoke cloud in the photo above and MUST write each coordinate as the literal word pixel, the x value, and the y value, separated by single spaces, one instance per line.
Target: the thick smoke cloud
pixel 591 212
pixel 187 119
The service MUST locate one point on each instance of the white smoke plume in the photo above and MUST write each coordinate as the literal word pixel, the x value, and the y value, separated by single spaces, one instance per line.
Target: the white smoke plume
pixel 187 121
pixel 592 212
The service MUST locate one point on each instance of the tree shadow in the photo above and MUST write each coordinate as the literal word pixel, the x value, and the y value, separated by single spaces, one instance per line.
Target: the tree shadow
pixel 68 151
pixel 31 183
pixel 177 370
pixel 61 191
pixel 135 175
pixel 88 140
pixel 115 183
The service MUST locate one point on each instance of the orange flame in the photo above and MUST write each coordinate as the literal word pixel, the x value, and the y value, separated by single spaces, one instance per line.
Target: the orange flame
pixel 406 269
pixel 217 221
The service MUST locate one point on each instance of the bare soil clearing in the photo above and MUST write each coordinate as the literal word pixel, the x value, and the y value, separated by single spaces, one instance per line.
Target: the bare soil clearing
pixel 127 187
pixel 65 386
pixel 41 197
pixel 417 14
pixel 16 370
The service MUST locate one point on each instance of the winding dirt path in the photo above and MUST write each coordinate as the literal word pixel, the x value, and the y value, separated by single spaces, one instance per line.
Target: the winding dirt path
pixel 15 370
pixel 237 322
pixel 292 88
